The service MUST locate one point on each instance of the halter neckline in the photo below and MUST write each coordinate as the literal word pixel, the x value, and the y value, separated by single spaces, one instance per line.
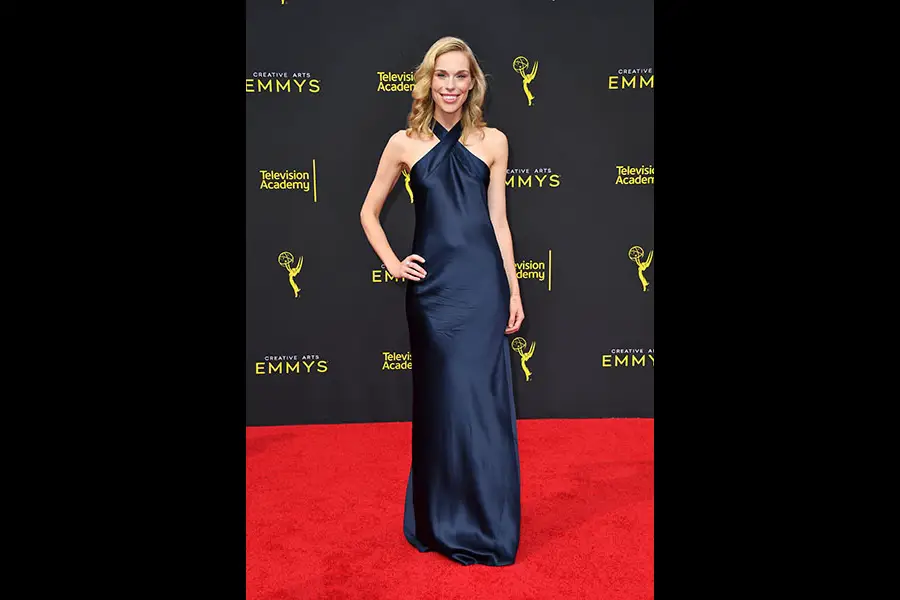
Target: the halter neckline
pixel 440 132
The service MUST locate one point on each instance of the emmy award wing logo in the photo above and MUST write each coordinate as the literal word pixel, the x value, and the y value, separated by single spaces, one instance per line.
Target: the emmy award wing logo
pixel 520 63
pixel 286 259
pixel 518 344
pixel 635 253
pixel 408 189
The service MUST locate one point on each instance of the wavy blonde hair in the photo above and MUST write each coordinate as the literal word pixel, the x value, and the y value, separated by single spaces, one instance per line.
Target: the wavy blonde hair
pixel 422 114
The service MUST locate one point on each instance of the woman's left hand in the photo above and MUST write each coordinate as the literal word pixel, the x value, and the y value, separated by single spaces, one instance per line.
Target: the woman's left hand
pixel 516 314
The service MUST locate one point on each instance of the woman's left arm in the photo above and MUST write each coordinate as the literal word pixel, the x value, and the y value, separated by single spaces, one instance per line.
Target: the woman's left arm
pixel 497 208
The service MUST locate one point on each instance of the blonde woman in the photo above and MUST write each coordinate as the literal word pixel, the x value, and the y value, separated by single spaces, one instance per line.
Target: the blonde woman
pixel 462 299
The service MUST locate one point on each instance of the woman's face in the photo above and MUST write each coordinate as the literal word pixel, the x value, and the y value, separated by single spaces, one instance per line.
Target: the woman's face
pixel 451 81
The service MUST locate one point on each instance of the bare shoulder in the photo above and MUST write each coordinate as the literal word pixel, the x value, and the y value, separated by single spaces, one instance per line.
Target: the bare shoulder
pixel 496 145
pixel 495 134
pixel 404 140
pixel 496 140
pixel 397 144
pixel 398 139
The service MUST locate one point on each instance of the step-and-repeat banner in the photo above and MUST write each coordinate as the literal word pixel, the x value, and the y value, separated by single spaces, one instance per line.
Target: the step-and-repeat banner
pixel 570 82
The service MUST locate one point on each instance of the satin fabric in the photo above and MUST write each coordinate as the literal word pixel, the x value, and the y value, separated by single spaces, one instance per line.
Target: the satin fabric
pixel 463 491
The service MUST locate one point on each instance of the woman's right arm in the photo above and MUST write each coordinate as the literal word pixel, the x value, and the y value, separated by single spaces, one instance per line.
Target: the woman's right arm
pixel 370 216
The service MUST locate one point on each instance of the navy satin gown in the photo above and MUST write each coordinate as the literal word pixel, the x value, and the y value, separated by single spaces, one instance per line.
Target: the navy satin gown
pixel 463 491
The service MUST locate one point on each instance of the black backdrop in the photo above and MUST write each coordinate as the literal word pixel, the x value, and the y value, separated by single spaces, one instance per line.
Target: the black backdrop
pixel 326 86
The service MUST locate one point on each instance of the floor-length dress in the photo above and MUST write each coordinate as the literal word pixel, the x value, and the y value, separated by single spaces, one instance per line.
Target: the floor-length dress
pixel 463 491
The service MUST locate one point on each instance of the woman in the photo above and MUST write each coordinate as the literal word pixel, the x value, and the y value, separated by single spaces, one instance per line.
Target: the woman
pixel 462 297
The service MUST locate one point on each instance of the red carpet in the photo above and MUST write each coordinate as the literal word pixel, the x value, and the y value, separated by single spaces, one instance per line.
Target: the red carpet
pixel 325 516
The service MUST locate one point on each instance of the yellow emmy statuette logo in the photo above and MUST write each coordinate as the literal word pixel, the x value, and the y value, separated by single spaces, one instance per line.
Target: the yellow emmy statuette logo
pixel 635 253
pixel 518 345
pixel 520 63
pixel 408 189
pixel 285 259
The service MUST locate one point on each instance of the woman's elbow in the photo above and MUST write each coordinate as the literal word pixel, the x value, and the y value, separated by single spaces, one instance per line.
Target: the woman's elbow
pixel 366 216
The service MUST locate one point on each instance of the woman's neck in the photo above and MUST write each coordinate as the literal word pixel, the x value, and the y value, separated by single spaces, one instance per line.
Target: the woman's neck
pixel 448 121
